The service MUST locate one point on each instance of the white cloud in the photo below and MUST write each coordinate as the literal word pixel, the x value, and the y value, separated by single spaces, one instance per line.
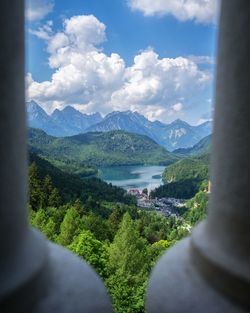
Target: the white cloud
pixel 85 31
pixel 203 120
pixel 44 31
pixel 152 112
pixel 85 76
pixel 202 59
pixel 177 106
pixel 201 11
pixel 155 81
pixel 38 9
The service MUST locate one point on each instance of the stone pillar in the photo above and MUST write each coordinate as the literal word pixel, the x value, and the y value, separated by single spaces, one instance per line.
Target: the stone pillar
pixel 35 275
pixel 210 272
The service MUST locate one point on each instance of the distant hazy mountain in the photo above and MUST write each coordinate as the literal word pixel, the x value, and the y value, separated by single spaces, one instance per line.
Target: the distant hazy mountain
pixel 74 122
pixel 69 121
pixel 203 146
pixel 178 134
pixel 132 122
pixel 38 118
pixel 66 122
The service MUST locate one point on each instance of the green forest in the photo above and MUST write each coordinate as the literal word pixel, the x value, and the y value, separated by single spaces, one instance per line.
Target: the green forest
pixel 184 178
pixel 102 224
pixel 98 149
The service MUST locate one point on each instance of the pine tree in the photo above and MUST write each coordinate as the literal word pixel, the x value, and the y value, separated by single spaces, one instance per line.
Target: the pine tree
pixel 54 199
pixel 49 229
pixel 91 250
pixel 129 264
pixel 70 227
pixel 128 251
pixel 52 195
pixel 92 205
pixel 36 195
pixel 39 219
pixel 115 219
pixel 79 207
pixel 97 225
pixel 47 186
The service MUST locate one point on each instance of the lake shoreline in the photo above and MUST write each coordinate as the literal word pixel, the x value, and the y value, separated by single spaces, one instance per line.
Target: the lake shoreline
pixel 133 176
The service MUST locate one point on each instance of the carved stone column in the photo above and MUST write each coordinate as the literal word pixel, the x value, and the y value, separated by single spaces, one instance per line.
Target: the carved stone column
pixel 35 275
pixel 210 272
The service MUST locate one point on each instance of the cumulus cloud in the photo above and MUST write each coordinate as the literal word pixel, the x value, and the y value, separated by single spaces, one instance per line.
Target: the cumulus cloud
pixel 201 11
pixel 38 9
pixel 86 77
pixel 83 73
pixel 152 80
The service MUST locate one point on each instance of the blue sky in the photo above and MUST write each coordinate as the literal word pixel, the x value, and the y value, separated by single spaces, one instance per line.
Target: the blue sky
pixel 104 55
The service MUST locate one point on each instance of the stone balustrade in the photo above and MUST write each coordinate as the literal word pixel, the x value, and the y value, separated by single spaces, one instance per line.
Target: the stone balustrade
pixel 35 275
pixel 210 272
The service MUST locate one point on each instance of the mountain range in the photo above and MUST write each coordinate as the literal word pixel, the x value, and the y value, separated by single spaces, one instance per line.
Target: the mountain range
pixel 69 122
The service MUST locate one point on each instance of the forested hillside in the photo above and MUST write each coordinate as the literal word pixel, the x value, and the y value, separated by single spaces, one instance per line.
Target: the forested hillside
pixel 184 178
pixel 99 149
pixel 202 147
pixel 189 168
pixel 71 186
pixel 196 208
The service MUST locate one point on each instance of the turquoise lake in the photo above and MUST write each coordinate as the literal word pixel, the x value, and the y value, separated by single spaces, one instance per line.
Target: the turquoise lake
pixel 129 177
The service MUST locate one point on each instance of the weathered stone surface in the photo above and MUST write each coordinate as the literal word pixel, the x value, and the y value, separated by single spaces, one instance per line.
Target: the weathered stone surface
pixel 177 287
pixel 210 272
pixel 35 275
pixel 72 286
